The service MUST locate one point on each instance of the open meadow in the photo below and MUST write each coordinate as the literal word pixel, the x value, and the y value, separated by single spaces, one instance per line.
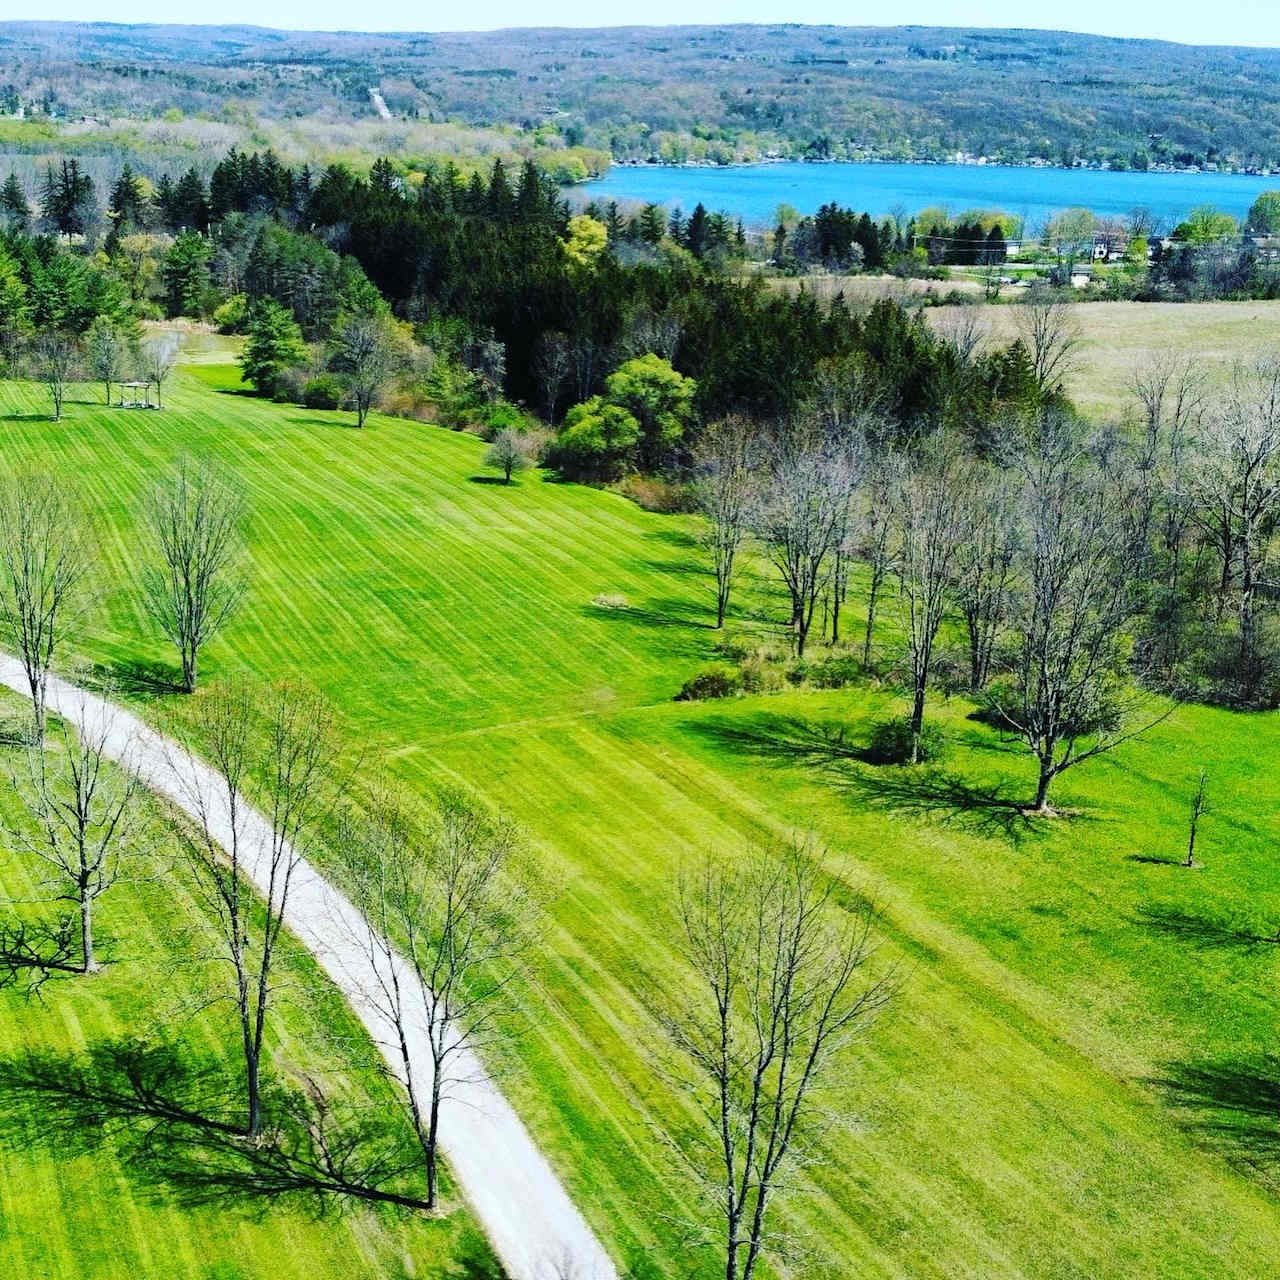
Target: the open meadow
pixel 1077 1077
pixel 1115 337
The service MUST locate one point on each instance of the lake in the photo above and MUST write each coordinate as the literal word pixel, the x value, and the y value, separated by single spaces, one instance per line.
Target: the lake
pixel 755 191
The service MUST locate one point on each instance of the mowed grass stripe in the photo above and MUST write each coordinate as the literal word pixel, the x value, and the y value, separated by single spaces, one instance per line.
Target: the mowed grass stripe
pixel 1007 1120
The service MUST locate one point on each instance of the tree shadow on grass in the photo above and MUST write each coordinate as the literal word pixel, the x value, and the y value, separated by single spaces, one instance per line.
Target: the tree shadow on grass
pixel 1204 931
pixel 666 612
pixel 1233 1104
pixel 498 480
pixel 673 538
pixel 919 790
pixel 136 678
pixel 176 1119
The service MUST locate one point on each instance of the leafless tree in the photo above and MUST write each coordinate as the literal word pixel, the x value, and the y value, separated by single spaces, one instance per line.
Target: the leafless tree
pixel 808 482
pixel 1236 478
pixel 107 348
pixel 510 451
pixel 966 329
pixel 1199 807
pixel 1172 394
pixel 43 562
pixel 282 743
pixel 56 359
pixel 367 352
pixel 1076 593
pixel 553 363
pixel 196 521
pixel 984 558
pixel 875 527
pixel 779 990
pixel 728 459
pixel 1051 332
pixel 646 330
pixel 86 819
pixel 929 525
pixel 159 355
pixel 445 890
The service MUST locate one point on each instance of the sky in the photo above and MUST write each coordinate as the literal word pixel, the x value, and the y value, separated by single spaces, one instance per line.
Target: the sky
pixel 1253 22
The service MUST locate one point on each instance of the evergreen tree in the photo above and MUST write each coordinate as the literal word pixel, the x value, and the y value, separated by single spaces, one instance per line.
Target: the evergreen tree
pixel 14 209
pixel 274 346
pixel 126 201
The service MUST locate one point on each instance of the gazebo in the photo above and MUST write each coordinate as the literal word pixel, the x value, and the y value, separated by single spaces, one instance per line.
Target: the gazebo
pixel 136 395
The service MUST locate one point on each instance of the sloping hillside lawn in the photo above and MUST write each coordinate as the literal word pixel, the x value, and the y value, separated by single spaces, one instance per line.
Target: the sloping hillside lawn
pixel 1075 1080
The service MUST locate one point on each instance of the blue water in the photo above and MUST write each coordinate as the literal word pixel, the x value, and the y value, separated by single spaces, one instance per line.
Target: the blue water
pixel 754 192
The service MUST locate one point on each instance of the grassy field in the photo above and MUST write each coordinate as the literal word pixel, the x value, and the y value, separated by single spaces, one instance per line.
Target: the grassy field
pixel 1117 336
pixel 73 1207
pixel 1075 1080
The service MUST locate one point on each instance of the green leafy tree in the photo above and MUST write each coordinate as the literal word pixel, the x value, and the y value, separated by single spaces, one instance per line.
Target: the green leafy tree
pixel 659 399
pixel 68 204
pixel 597 440
pixel 1264 214
pixel 186 274
pixel 274 345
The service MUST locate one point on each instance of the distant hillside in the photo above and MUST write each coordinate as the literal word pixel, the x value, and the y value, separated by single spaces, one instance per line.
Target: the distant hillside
pixel 676 93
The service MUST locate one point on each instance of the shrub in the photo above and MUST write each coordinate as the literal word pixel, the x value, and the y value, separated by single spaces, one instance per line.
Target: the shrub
pixel 232 315
pixel 836 672
pixel 891 742
pixel 323 392
pixel 711 682
pixel 759 674
pixel 663 496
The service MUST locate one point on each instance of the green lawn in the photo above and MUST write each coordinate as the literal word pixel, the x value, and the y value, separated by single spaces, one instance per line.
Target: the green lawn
pixel 73 1207
pixel 1075 1079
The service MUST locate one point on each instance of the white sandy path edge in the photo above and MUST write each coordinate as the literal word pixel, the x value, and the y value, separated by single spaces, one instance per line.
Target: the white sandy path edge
pixel 532 1224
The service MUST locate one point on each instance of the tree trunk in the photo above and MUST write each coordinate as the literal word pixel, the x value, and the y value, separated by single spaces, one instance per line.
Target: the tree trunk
pixel 433 1137
pixel 917 721
pixel 872 600
pixel 1042 786
pixel 89 962
pixel 253 1088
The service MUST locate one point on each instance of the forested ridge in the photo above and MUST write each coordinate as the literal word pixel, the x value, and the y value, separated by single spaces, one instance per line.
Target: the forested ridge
pixel 679 93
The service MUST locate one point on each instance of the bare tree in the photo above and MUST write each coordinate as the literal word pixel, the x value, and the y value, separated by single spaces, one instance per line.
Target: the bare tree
pixel 552 364
pixel 289 762
pixel 1172 394
pixel 875 528
pixel 107 347
pixel 196 522
pixel 777 959
pixel 510 451
pixel 929 519
pixel 1077 592
pixel 1199 807
pixel 159 355
pixel 808 481
pixel 55 359
pixel 984 562
pixel 966 330
pixel 367 351
pixel 1049 328
pixel 86 818
pixel 43 562
pixel 445 891
pixel 1236 479
pixel 728 458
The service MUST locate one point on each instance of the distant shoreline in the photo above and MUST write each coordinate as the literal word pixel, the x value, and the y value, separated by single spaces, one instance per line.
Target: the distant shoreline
pixel 1161 171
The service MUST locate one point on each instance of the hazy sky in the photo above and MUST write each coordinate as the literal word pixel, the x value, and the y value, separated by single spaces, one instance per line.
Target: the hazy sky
pixel 1223 22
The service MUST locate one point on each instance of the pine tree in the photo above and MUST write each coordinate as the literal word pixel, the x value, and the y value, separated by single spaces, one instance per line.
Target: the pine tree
pixel 14 208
